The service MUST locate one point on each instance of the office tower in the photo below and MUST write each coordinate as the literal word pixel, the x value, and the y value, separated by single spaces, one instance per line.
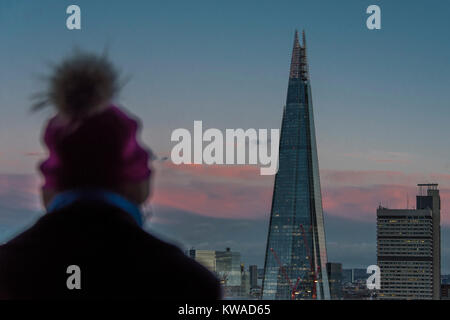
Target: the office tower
pixel 295 261
pixel 334 271
pixel 228 267
pixel 245 283
pixel 347 276
pixel 253 270
pixel 445 279
pixel 408 248
pixel 207 258
pixel 445 291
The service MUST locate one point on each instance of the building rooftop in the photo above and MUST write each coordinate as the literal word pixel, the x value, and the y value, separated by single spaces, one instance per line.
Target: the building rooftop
pixel 381 211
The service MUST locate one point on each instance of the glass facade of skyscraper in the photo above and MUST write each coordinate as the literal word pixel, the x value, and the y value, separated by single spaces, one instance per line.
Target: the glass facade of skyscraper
pixel 295 263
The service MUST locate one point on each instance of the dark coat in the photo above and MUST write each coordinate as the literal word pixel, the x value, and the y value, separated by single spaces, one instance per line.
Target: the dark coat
pixel 116 257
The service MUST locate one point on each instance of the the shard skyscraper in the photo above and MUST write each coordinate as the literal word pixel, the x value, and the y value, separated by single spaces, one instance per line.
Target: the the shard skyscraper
pixel 296 257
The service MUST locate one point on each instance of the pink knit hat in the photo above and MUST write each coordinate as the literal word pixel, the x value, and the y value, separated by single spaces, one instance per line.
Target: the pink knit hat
pixel 98 151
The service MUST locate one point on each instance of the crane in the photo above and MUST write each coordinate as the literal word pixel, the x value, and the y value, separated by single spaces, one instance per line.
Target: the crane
pixel 313 271
pixel 223 278
pixel 283 271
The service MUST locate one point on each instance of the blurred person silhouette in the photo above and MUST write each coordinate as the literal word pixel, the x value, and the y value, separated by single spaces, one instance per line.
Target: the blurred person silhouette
pixel 96 176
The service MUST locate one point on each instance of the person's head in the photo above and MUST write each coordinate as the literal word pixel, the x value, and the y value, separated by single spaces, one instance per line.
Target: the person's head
pixel 91 143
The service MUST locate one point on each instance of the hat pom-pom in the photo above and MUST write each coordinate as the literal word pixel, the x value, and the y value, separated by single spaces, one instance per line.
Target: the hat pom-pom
pixel 80 85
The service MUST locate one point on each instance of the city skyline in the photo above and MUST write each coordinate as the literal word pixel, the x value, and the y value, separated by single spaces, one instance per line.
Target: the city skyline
pixel 372 89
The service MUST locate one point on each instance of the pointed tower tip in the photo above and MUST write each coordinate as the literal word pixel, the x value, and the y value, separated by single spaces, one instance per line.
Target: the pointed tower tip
pixel 296 39
pixel 295 61
pixel 304 38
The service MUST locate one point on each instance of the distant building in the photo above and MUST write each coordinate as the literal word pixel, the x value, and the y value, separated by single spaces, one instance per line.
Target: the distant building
pixel 253 270
pixel 260 273
pixel 334 271
pixel 255 293
pixel 357 291
pixel 445 291
pixel 408 248
pixel 260 277
pixel 445 279
pixel 347 276
pixel 245 283
pixel 360 275
pixel 354 275
pixel 207 258
pixel 228 266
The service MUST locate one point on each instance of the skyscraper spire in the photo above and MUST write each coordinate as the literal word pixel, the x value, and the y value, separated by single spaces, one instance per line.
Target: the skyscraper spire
pixel 304 39
pixel 295 60
pixel 303 60
pixel 299 64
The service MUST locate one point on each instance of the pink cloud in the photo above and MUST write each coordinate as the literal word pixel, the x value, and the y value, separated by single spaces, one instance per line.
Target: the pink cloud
pixel 20 191
pixel 368 177
pixel 360 203
pixel 218 191
pixel 241 192
pixel 34 154
pixel 247 174
pixel 244 193
pixel 224 201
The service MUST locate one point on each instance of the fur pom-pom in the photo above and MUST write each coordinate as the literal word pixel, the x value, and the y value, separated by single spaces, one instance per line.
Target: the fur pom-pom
pixel 80 84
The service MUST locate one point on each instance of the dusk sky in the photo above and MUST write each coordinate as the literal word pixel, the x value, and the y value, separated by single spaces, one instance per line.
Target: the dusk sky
pixel 381 105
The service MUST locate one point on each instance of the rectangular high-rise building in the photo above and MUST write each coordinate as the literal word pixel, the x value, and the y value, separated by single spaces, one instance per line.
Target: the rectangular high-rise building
pixel 347 276
pixel 228 267
pixel 295 262
pixel 334 271
pixel 408 248
pixel 253 269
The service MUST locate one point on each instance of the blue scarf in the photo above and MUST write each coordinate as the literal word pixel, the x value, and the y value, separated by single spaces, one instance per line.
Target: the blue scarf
pixel 67 198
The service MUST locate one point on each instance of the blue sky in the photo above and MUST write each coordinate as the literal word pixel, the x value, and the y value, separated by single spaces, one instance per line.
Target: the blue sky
pixel 381 98
pixel 226 63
